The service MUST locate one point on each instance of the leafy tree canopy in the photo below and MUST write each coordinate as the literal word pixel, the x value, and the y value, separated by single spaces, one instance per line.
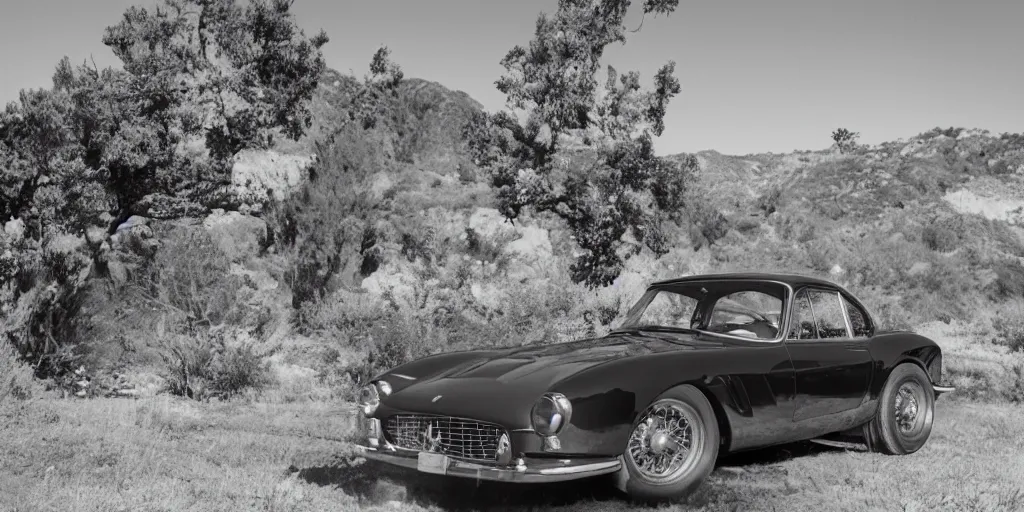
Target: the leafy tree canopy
pixel 554 97
pixel 202 80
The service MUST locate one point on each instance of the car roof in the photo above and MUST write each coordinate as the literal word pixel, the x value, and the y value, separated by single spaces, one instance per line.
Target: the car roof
pixel 793 280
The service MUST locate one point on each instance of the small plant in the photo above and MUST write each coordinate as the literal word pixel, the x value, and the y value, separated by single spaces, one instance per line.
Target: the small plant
pixel 1017 392
pixel 940 238
pixel 16 382
pixel 709 222
pixel 203 367
pixel 845 139
pixel 1009 330
pixel 769 202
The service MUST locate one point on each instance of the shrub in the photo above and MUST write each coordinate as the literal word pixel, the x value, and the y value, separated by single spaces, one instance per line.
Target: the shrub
pixel 710 223
pixel 940 238
pixel 41 296
pixel 16 381
pixel 770 201
pixel 937 131
pixel 213 366
pixel 1009 281
pixel 845 139
pixel 480 248
pixel 1009 329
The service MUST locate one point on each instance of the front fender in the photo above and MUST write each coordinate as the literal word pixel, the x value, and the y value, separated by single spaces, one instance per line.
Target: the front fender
pixel 892 349
pixel 607 399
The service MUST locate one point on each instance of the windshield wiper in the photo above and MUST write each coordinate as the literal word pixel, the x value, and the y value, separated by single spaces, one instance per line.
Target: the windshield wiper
pixel 657 328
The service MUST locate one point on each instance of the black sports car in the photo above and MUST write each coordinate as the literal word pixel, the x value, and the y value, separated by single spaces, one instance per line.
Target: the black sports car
pixel 701 366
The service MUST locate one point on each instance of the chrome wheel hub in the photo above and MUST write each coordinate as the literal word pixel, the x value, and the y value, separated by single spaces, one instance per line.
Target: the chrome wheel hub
pixel 907 407
pixel 667 442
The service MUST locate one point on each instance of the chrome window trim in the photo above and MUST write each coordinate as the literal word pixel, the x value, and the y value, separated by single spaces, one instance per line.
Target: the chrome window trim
pixel 783 315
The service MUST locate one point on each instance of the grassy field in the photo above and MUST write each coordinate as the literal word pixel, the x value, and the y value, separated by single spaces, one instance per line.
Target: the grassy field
pixel 168 454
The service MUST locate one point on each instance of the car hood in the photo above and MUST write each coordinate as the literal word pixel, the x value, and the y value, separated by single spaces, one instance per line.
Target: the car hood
pixel 502 386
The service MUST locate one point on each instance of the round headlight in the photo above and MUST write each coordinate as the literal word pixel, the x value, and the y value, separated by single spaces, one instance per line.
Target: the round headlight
pixel 369 399
pixel 385 388
pixel 550 414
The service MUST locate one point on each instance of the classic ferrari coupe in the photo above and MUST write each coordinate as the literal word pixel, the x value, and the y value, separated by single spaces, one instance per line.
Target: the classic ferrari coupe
pixel 701 366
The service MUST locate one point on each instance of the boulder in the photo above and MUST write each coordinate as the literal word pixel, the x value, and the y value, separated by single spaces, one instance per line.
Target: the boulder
pixel 490 223
pixel 15 229
pixel 534 244
pixel 919 268
pixel 238 236
pixel 487 294
pixel 390 279
pixel 259 174
pixel 381 184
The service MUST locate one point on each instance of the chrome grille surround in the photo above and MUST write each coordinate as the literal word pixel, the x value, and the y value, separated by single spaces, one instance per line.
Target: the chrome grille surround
pixel 456 437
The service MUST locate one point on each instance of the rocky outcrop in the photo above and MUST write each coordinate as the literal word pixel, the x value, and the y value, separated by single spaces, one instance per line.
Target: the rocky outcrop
pixel 238 236
pixel 258 175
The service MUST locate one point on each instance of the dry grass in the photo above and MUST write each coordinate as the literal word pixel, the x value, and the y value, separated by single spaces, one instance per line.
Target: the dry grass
pixel 167 454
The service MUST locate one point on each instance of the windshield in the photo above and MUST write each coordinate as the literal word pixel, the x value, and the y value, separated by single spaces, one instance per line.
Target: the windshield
pixel 745 309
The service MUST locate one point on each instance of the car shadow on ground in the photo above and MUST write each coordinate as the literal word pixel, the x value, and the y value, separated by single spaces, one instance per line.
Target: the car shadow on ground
pixel 376 483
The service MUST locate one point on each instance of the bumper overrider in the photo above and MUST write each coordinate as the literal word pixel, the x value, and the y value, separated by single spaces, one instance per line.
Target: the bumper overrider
pixel 522 469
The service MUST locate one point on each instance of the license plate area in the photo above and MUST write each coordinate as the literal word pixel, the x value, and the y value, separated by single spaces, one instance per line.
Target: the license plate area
pixel 435 463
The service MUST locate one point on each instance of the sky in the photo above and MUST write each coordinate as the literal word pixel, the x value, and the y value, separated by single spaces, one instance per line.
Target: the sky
pixel 757 75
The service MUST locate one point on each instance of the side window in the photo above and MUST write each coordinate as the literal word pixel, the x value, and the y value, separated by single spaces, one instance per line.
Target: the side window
pixel 802 326
pixel 748 314
pixel 828 312
pixel 858 320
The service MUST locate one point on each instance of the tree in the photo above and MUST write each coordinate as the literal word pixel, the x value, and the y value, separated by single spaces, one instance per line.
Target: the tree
pixel 554 98
pixel 202 80
pixel 845 139
pixel 328 220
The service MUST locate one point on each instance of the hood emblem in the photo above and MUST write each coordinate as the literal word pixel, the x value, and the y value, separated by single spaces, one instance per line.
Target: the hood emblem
pixel 432 444
pixel 436 398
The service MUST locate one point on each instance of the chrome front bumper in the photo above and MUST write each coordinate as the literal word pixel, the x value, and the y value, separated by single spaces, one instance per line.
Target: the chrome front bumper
pixel 526 471
pixel 523 470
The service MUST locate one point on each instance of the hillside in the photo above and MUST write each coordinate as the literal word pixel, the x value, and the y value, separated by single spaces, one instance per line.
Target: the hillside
pixel 361 247
pixel 357 248
pixel 926 230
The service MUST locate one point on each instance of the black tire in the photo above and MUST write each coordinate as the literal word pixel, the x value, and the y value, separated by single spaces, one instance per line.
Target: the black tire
pixel 893 431
pixel 694 469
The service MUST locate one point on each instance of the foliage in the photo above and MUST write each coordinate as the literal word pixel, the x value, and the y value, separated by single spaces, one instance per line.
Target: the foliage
pixel 206 333
pixel 40 297
pixel 1009 329
pixel 327 222
pixel 209 365
pixel 951 132
pixel 16 382
pixel 553 95
pixel 201 81
pixel 845 139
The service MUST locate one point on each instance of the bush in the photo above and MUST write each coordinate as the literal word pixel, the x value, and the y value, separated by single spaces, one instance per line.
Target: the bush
pixel 710 224
pixel 1009 281
pixel 41 294
pixel 213 366
pixel 771 201
pixel 940 238
pixel 16 381
pixel 845 140
pixel 1009 329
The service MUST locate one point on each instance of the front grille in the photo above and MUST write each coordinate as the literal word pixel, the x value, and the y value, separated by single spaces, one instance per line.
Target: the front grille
pixel 451 436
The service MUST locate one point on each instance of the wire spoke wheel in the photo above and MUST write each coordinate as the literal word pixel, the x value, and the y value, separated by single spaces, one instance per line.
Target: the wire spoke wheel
pixel 907 408
pixel 667 442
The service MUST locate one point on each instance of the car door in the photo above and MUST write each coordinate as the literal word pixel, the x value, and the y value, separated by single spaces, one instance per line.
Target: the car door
pixel 831 360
